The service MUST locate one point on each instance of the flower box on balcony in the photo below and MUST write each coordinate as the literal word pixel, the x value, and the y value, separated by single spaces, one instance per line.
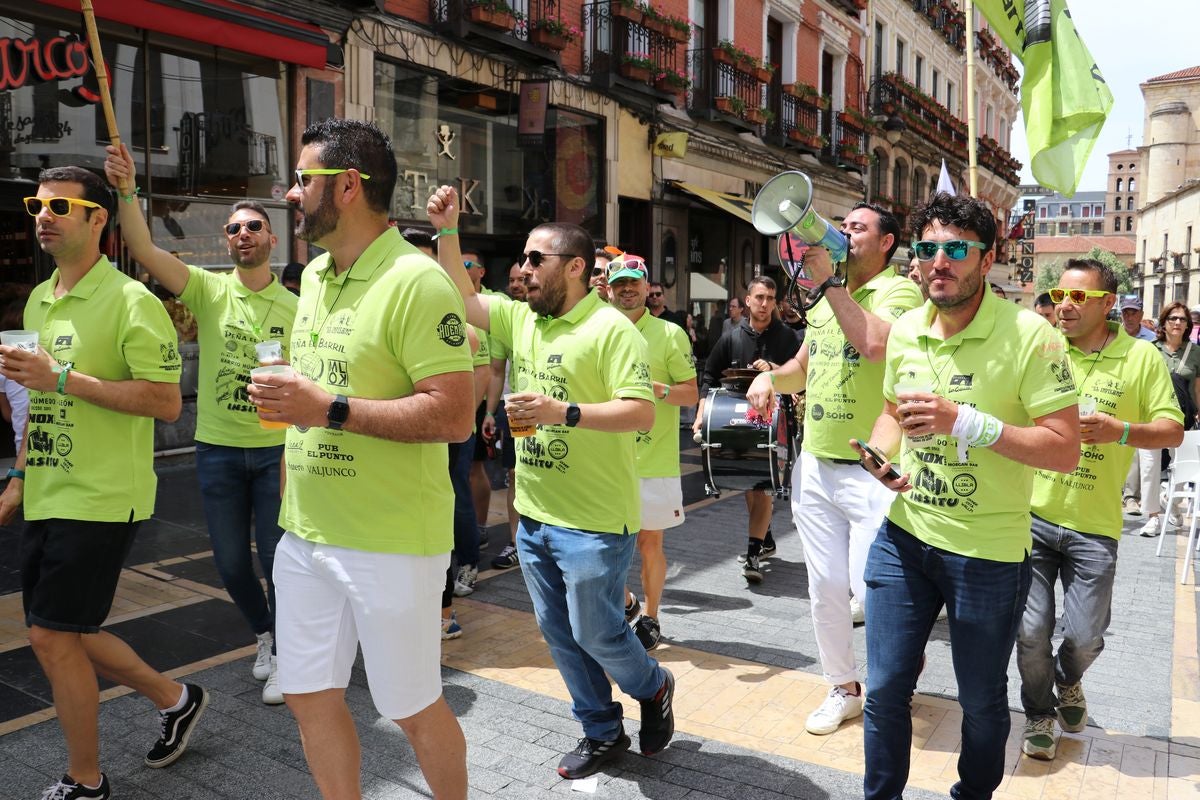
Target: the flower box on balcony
pixel 678 34
pixel 550 41
pixel 763 74
pixel 722 57
pixel 630 12
pixel 725 105
pixel 499 20
pixel 635 73
pixel 810 140
pixel 755 116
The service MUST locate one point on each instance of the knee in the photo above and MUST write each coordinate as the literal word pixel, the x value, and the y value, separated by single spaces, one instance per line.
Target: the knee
pixel 649 545
pixel 47 643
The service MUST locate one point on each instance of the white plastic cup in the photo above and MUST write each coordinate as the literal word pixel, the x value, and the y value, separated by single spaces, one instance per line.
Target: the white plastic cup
pixel 516 430
pixel 26 340
pixel 909 387
pixel 269 351
pixel 284 370
pixel 1087 405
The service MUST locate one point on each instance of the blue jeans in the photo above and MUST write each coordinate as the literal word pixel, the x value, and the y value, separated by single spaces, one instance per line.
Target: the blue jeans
pixel 577 582
pixel 1087 564
pixel 239 484
pixel 466 527
pixel 908 581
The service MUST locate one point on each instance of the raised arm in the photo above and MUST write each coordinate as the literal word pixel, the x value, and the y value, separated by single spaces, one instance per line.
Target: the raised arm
pixel 166 268
pixel 443 213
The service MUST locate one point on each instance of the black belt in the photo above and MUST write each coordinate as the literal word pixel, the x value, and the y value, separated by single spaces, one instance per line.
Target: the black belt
pixel 843 460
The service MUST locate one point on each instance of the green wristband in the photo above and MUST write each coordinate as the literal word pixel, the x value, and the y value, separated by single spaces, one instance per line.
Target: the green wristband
pixel 128 198
pixel 446 232
pixel 1125 435
pixel 61 388
pixel 13 472
pixel 666 392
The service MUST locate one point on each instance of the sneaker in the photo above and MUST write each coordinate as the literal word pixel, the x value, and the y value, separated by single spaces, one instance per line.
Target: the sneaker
pixel 483 536
pixel 1176 519
pixel 838 706
pixel 1039 740
pixel 857 617
pixel 590 755
pixel 450 627
pixel 270 693
pixel 647 631
pixel 262 658
pixel 68 789
pixel 507 558
pixel 752 569
pixel 464 584
pixel 1152 528
pixel 658 718
pixel 1072 708
pixel 177 727
pixel 768 549
pixel 633 606
pixel 1132 507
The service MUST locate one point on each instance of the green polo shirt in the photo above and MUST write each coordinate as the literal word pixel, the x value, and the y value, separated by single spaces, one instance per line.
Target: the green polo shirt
pixel 670 353
pixel 1008 363
pixel 390 321
pixel 85 462
pixel 230 320
pixel 842 390
pixel 1129 381
pixel 575 477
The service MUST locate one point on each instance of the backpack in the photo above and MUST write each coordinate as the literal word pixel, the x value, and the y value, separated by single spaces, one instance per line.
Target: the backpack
pixel 1187 403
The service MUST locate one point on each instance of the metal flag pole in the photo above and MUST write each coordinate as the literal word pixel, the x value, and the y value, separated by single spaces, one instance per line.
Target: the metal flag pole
pixel 89 21
pixel 972 134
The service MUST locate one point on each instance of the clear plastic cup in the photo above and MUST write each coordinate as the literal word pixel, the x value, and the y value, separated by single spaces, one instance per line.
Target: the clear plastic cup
pixel 284 370
pixel 26 340
pixel 518 430
pixel 269 351
pixel 909 387
pixel 1087 405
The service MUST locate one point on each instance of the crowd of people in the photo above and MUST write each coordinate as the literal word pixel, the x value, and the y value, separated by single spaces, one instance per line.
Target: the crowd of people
pixel 960 456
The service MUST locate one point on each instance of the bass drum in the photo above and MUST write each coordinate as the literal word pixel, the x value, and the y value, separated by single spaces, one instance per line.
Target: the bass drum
pixel 741 450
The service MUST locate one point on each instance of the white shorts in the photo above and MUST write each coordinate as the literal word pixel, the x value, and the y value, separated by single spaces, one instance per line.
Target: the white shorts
pixel 330 599
pixel 662 503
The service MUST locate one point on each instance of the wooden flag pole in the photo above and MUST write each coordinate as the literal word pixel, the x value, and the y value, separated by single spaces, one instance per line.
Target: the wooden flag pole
pixel 972 123
pixel 89 21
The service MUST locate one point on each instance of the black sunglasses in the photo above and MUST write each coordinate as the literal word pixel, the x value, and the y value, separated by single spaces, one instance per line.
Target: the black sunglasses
pixel 252 225
pixel 536 257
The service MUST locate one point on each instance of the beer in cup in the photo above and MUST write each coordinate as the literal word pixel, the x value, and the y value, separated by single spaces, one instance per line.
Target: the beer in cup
pixel 908 387
pixel 515 429
pixel 284 370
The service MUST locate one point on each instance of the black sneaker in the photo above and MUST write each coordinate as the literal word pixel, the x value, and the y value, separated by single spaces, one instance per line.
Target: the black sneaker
pixel 633 607
pixel 507 558
pixel 590 755
pixel 177 727
pixel 483 536
pixel 658 718
pixel 647 631
pixel 768 546
pixel 752 569
pixel 68 789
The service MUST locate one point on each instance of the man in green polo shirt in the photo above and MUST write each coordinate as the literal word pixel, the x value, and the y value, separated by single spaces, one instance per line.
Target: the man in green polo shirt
pixel 836 506
pixel 583 379
pixel 998 402
pixel 674 378
pixel 1126 401
pixel 237 459
pixel 105 367
pixel 382 370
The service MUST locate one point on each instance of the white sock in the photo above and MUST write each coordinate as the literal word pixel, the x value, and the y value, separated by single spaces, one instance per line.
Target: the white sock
pixel 178 706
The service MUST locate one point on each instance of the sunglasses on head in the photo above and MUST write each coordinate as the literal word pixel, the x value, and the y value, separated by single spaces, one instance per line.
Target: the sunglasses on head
pixel 1076 296
pixel 627 262
pixel 536 257
pixel 955 249
pixel 304 176
pixel 59 206
pixel 252 225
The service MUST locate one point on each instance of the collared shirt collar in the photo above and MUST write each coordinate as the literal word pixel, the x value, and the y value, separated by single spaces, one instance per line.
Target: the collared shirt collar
pixel 980 326
pixel 242 290
pixel 1118 345
pixel 378 253
pixel 578 312
pixel 87 285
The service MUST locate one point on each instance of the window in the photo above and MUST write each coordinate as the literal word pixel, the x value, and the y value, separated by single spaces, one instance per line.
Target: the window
pixel 1129 225
pixel 879 48
pixel 1043 212
pixel 1097 227
pixel 1043 229
pixel 900 56
pixel 1118 206
pixel 919 73
pixel 933 84
pixel 1131 181
pixel 1129 203
pixel 1118 183
pixel 900 182
pixel 951 98
pixel 987 122
pixel 1062 229
pixel 1116 224
pixel 1098 210
pixel 1087 211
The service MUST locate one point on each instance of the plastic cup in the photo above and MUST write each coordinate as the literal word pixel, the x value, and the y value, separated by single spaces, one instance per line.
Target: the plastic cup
pixel 284 370
pixel 909 387
pixel 269 351
pixel 1087 405
pixel 26 340
pixel 518 430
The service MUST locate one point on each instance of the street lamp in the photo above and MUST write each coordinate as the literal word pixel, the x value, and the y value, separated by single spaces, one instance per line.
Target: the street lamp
pixel 892 123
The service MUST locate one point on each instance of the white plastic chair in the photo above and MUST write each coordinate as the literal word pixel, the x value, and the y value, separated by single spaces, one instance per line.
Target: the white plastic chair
pixel 1184 481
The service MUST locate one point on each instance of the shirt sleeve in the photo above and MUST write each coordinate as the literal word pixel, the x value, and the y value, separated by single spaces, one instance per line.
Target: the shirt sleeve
pixel 1047 383
pixel 431 334
pixel 150 345
pixel 201 288
pixel 901 296
pixel 625 365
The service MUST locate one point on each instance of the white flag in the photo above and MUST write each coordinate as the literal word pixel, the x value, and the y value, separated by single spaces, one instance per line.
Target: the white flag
pixel 944 183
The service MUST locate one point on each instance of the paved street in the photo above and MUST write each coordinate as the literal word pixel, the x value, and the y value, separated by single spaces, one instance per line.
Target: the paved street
pixel 744 659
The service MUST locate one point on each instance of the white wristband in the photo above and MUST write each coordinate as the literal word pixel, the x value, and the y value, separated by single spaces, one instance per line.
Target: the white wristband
pixel 974 428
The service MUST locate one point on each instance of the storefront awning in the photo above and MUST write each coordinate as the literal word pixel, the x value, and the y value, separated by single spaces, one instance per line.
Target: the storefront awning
pixel 223 23
pixel 731 203
pixel 701 288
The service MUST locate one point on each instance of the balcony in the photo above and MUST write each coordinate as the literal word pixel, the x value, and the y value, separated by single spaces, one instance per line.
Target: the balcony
pixel 507 26
pixel 802 120
pixel 724 91
pixel 993 53
pixel 945 18
pixel 999 160
pixel 924 116
pixel 627 52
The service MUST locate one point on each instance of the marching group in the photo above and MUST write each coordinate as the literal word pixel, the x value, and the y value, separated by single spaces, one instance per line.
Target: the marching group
pixel 354 473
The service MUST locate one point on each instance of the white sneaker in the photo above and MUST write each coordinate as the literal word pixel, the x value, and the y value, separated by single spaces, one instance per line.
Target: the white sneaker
pixel 262 659
pixel 856 611
pixel 1152 527
pixel 464 584
pixel 1132 507
pixel 838 707
pixel 270 693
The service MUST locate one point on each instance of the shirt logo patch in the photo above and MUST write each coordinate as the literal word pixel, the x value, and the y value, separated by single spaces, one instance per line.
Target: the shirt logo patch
pixel 451 330
pixel 168 351
pixel 555 360
pixel 63 341
pixel 277 330
pixel 339 373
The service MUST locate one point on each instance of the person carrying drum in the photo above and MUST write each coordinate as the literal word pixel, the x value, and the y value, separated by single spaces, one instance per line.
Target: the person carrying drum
pixel 674 380
pixel 836 506
pixel 760 342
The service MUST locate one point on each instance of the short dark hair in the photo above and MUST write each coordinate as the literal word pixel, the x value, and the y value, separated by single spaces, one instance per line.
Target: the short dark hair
pixel 94 189
pixel 1043 299
pixel 652 284
pixel 292 271
pixel 760 280
pixel 887 224
pixel 602 253
pixel 1108 278
pixel 572 240
pixel 251 205
pixel 418 237
pixel 963 212
pixel 354 144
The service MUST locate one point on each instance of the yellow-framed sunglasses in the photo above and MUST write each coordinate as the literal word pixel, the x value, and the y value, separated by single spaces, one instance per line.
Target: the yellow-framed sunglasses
pixel 59 206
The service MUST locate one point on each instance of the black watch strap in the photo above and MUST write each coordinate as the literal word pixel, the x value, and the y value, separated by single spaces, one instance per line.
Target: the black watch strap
pixel 830 282
pixel 338 413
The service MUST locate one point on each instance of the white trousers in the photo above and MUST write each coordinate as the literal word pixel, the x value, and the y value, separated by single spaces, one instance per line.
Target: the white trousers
pixel 1145 480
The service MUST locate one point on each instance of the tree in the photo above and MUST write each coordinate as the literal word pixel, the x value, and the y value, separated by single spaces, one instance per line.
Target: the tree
pixel 1048 277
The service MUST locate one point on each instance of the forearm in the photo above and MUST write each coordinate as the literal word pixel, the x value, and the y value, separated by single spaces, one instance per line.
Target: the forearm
pixel 139 398
pixel 886 434
pixel 1155 435
pixel 791 376
pixel 1051 444
pixel 164 267
pixel 865 331
pixel 449 256
pixel 616 416
pixel 495 386
pixel 683 394
pixel 482 376
pixel 437 415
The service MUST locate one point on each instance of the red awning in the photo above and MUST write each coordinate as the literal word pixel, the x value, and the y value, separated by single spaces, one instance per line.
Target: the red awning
pixel 219 22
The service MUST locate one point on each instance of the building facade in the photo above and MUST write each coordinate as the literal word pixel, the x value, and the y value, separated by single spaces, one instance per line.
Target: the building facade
pixel 1120 197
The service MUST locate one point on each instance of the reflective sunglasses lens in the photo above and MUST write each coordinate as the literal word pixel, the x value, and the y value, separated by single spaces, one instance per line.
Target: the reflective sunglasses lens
pixel 233 228
pixel 956 250
pixel 925 250
pixel 1057 295
pixel 1078 296
pixel 597 272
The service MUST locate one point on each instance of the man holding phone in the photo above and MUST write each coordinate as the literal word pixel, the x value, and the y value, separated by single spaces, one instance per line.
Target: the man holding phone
pixel 837 509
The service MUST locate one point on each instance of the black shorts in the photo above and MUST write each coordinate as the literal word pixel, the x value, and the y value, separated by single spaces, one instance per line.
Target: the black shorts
pixel 69 571
pixel 481 453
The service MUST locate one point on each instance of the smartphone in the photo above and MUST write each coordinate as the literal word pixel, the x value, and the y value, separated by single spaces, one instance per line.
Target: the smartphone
pixel 879 460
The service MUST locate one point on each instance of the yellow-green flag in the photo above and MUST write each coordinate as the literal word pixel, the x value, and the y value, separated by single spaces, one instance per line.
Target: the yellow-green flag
pixel 1063 95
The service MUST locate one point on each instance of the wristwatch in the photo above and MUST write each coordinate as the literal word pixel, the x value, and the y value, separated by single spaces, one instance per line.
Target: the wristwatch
pixel 572 415
pixel 338 413
pixel 830 282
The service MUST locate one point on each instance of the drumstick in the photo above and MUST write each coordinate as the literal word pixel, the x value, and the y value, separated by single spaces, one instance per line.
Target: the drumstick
pixel 89 21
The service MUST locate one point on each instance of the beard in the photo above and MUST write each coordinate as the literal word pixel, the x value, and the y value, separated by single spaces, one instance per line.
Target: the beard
pixel 321 221
pixel 259 255
pixel 551 296
pixel 968 288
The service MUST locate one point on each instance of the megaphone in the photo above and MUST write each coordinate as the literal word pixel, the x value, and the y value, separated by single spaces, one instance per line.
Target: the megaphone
pixel 784 204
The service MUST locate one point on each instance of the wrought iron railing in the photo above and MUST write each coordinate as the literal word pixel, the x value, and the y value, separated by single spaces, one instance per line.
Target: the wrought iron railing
pixel 617 42
pixel 517 23
pixel 722 87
